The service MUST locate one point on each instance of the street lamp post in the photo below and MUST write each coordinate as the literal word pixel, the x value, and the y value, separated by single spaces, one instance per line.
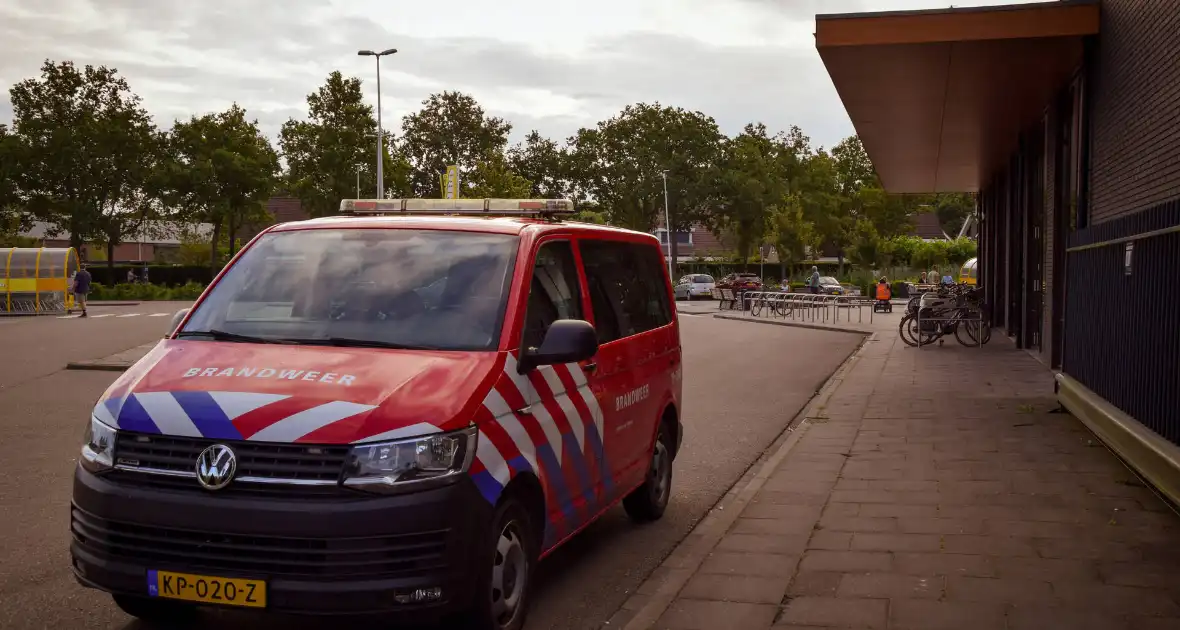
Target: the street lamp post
pixel 668 224
pixel 380 129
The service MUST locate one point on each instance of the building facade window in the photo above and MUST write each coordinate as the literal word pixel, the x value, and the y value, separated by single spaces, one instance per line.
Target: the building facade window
pixel 682 238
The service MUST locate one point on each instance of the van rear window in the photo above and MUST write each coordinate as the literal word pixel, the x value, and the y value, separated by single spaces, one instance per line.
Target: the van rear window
pixel 433 289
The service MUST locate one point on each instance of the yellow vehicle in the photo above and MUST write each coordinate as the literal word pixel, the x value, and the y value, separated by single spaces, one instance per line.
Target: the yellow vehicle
pixel 969 274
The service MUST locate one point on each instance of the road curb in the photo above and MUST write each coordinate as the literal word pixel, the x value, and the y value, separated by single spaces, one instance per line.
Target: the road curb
pixel 830 328
pixel 688 556
pixel 97 366
pixel 118 362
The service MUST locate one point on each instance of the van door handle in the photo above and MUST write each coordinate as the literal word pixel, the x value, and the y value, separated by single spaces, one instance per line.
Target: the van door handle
pixel 590 367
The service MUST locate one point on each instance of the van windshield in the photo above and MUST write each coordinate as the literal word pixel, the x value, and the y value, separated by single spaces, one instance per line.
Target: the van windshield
pixel 430 289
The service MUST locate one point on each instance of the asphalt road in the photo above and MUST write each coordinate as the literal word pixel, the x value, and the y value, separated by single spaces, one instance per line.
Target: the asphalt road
pixel 743 384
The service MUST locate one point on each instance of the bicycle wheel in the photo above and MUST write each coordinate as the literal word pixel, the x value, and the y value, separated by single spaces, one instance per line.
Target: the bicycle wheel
pixel 907 329
pixel 756 307
pixel 967 332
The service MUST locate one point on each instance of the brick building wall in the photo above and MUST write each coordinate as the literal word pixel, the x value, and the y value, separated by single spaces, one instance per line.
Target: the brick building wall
pixel 1133 85
pixel 1135 108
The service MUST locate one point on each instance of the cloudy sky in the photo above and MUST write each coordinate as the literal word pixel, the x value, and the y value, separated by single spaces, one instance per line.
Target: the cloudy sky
pixel 551 65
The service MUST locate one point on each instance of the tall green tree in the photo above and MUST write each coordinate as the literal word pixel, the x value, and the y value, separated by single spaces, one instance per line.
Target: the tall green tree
pixel 492 178
pixel 86 151
pixel 792 234
pixel 543 162
pixel 13 218
pixel 620 165
pixel 336 144
pixel 222 169
pixel 450 129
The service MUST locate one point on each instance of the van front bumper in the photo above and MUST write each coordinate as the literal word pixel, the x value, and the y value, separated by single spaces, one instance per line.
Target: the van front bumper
pixel 346 554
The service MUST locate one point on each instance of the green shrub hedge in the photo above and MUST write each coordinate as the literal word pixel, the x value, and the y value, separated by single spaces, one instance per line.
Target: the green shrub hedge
pixel 146 292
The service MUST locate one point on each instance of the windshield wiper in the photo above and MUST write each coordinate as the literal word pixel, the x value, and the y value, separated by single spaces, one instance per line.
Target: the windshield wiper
pixel 221 335
pixel 347 342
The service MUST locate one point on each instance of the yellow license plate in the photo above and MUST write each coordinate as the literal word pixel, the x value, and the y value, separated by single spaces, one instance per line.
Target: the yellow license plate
pixel 207 589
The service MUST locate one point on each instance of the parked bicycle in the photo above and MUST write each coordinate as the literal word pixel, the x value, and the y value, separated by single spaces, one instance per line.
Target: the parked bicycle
pixel 956 310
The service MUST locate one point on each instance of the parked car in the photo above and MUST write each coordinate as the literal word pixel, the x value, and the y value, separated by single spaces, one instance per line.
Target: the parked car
pixel 328 430
pixel 695 285
pixel 741 282
pixel 830 286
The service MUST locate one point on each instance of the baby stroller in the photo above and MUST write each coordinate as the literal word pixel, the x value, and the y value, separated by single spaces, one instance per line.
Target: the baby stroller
pixel 884 297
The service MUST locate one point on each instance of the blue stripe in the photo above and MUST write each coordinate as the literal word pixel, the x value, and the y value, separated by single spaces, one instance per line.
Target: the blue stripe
pixel 114 406
pixel 556 479
pixel 574 452
pixel 153 583
pixel 604 472
pixel 207 415
pixel 488 486
pixel 520 465
pixel 133 417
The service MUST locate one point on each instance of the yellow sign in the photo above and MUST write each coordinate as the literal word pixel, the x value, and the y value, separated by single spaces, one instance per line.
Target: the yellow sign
pixel 207 589
pixel 450 186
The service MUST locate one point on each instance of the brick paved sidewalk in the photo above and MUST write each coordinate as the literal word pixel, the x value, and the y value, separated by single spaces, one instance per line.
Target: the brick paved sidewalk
pixel 934 490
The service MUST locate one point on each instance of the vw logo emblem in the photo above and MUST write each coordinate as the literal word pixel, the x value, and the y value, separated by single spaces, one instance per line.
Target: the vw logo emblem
pixel 216 466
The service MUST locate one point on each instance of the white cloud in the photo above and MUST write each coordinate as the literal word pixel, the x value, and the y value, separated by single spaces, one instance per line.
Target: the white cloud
pixel 551 65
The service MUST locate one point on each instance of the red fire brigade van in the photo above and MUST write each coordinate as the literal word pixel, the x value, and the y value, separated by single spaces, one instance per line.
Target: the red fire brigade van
pixel 399 412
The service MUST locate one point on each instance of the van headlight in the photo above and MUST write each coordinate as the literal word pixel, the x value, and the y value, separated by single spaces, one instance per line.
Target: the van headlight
pixel 98 447
pixel 411 464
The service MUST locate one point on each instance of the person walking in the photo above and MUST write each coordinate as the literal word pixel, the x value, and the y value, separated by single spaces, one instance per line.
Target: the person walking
pixel 82 287
pixel 813 281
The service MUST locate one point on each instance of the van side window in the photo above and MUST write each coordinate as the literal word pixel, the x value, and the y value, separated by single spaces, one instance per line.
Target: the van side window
pixel 627 290
pixel 554 292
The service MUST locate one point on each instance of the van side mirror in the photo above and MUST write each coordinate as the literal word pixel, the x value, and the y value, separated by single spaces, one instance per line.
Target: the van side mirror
pixel 567 341
pixel 176 319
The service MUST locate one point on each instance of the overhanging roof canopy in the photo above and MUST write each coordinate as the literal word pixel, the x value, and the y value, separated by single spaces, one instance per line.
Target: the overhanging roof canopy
pixel 939 97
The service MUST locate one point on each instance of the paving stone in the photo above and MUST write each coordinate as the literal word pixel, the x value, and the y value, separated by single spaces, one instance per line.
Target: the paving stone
pixel 690 614
pixel 750 564
pixel 792 544
pixel 846 561
pixel 890 586
pixel 1004 591
pixel 815 583
pixel 923 614
pixel 836 611
pixel 736 588
pixel 896 542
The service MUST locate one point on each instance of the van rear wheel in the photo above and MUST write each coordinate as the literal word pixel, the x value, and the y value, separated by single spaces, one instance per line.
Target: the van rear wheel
pixel 648 502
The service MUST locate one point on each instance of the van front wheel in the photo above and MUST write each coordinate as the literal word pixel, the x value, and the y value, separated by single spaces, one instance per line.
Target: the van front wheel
pixel 506 573
pixel 648 502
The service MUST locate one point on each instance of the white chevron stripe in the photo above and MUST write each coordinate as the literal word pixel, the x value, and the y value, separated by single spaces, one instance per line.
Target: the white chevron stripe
pixel 413 430
pixel 538 411
pixel 492 460
pixel 549 427
pixel 167 414
pixel 234 404
pixel 576 372
pixel 577 425
pixel 511 425
pixel 300 424
pixel 587 395
pixel 595 410
pixel 521 381
pixel 104 415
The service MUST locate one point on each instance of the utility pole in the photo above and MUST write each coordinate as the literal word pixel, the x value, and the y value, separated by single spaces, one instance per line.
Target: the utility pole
pixel 380 129
pixel 668 224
